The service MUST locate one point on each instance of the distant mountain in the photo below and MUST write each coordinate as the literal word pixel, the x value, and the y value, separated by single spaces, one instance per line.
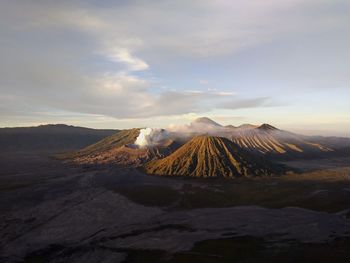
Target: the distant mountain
pixel 208 156
pixel 267 139
pixel 330 141
pixel 206 121
pixel 52 137
pixel 206 148
pixel 119 150
pixel 264 139
pixel 267 127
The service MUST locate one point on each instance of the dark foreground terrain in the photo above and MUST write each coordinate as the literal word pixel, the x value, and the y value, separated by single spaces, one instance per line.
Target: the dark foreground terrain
pixel 53 212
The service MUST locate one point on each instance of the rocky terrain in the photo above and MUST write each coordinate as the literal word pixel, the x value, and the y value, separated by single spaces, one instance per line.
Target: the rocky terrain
pixel 53 212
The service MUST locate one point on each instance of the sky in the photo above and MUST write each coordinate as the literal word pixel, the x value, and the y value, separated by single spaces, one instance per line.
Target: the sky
pixel 122 64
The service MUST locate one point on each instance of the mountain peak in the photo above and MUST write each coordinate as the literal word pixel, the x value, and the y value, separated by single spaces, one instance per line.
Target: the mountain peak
pixel 206 120
pixel 267 127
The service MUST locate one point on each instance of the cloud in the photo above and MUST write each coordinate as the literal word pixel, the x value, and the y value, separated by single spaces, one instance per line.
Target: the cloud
pixel 120 95
pixel 170 28
pixel 235 103
pixel 123 55
pixel 103 59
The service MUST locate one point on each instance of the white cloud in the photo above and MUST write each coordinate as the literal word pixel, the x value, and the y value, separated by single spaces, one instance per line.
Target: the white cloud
pixel 225 93
pixel 77 57
pixel 123 55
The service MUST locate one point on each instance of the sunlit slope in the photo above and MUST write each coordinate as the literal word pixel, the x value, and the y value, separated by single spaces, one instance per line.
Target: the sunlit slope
pixel 208 156
pixel 264 139
pixel 269 140
pixel 114 141
pixel 119 150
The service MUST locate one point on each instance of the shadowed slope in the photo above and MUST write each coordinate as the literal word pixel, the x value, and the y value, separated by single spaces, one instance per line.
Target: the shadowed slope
pixel 206 156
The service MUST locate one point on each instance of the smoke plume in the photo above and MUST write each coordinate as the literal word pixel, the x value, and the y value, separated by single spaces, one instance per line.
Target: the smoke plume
pixel 149 137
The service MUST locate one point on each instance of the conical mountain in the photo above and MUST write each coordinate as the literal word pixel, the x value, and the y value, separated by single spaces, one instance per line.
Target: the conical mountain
pixel 208 156
pixel 206 121
pixel 267 127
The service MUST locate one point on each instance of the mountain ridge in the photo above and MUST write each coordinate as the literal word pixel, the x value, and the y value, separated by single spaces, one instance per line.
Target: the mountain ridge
pixel 50 137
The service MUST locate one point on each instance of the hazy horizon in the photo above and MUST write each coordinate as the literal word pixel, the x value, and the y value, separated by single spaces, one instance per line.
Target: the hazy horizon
pixel 123 64
pixel 236 124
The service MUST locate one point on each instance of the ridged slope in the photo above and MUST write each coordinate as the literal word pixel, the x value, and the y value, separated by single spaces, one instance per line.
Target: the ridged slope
pixel 267 139
pixel 114 141
pixel 207 156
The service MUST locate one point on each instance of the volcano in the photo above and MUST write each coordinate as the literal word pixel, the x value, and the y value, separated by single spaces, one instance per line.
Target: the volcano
pixel 210 156
pixel 267 139
pixel 120 150
pixel 210 149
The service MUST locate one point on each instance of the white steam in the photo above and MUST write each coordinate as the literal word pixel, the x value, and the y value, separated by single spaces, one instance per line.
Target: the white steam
pixel 149 137
pixel 153 137
pixel 196 128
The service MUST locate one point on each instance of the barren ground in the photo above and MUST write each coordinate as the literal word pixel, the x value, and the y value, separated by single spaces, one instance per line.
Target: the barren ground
pixel 53 212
